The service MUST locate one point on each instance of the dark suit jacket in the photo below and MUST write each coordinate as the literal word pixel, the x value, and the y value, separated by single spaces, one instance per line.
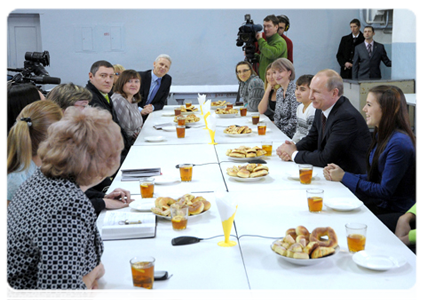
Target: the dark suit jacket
pixel 346 53
pixel 345 141
pixel 365 67
pixel 160 99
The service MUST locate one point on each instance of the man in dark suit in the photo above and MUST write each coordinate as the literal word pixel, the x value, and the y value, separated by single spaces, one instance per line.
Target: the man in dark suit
pixel 367 57
pixel 346 47
pixel 342 136
pixel 155 86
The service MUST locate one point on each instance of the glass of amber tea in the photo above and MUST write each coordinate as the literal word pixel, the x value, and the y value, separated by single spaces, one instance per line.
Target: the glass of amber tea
pixel 315 200
pixel 181 120
pixel 230 106
pixel 267 146
pixel 186 172
pixel 255 118
pixel 243 111
pixel 261 128
pixel 142 268
pixel 180 131
pixel 178 111
pixel 356 236
pixel 188 103
pixel 147 187
pixel 306 173
pixel 179 216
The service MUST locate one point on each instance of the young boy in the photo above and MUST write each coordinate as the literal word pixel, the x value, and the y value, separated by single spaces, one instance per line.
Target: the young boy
pixel 305 111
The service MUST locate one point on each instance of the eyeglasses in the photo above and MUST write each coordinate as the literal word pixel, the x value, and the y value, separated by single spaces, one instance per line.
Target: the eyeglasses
pixel 242 71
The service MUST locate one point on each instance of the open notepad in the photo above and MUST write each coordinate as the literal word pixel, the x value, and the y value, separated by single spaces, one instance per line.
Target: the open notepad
pixel 128 225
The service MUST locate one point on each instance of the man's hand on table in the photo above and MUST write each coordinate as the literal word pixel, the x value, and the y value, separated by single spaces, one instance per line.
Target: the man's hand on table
pixel 286 150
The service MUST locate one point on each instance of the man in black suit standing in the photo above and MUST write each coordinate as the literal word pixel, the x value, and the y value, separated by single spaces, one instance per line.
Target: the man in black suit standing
pixel 155 86
pixel 345 53
pixel 339 132
pixel 367 57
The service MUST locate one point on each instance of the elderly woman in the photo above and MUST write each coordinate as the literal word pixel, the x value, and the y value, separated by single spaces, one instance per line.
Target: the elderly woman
pixel 251 87
pixel 286 105
pixel 69 94
pixel 24 138
pixel 52 238
pixel 390 183
pixel 126 96
pixel 267 105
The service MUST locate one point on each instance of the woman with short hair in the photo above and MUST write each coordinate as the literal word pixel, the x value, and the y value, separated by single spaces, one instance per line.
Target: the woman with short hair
pixel 251 87
pixel 286 104
pixel 389 186
pixel 51 224
pixel 24 138
pixel 126 95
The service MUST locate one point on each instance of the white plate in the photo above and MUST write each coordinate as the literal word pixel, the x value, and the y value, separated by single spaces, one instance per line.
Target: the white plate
pixel 126 293
pixel 245 158
pixel 248 179
pixel 305 262
pixel 189 217
pixel 142 204
pixel 163 179
pixel 227 115
pixel 169 128
pixel 343 204
pixel 378 260
pixel 216 107
pixel 296 175
pixel 154 138
pixel 255 130
pixel 168 114
pixel 239 135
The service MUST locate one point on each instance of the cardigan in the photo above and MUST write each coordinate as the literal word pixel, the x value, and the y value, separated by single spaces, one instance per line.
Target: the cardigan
pixel 252 91
pixel 52 237
pixel 397 171
pixel 129 117
pixel 286 110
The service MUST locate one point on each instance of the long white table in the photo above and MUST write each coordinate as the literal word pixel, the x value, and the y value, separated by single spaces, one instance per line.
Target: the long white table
pixel 268 208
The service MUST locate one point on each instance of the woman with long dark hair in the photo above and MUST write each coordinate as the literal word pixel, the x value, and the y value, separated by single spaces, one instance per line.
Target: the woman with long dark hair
pixel 390 183
pixel 251 87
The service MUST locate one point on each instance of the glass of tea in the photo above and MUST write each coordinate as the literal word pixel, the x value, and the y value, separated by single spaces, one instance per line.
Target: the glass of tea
pixel 306 173
pixel 181 120
pixel 142 268
pixel 179 216
pixel 178 111
pixel 147 187
pixel 180 131
pixel 243 111
pixel 261 128
pixel 186 172
pixel 315 200
pixel 229 105
pixel 356 236
pixel 255 118
pixel 267 146
pixel 188 104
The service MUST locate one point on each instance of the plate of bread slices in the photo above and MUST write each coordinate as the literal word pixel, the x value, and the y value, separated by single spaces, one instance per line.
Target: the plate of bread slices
pixel 227 112
pixel 248 173
pixel 244 153
pixel 196 205
pixel 218 104
pixel 301 247
pixel 190 118
pixel 237 131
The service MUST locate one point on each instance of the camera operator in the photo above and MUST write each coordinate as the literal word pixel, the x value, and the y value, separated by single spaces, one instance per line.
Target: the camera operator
pixel 271 48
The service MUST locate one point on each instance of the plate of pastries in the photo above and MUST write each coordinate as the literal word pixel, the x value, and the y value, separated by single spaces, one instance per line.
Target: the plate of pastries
pixel 218 104
pixel 249 172
pixel 191 118
pixel 237 131
pixel 244 153
pixel 301 247
pixel 196 205
pixel 187 110
pixel 227 112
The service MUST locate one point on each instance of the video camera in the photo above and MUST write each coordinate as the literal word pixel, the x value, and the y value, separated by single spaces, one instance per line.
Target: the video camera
pixel 247 38
pixel 34 71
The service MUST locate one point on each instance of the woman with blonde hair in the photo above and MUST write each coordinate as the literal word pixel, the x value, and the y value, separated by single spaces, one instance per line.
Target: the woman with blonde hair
pixel 69 94
pixel 24 139
pixel 267 104
pixel 51 224
pixel 126 96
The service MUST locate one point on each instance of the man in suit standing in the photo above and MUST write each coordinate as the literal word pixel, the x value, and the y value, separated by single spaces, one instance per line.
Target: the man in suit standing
pixel 346 48
pixel 155 86
pixel 338 134
pixel 367 57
